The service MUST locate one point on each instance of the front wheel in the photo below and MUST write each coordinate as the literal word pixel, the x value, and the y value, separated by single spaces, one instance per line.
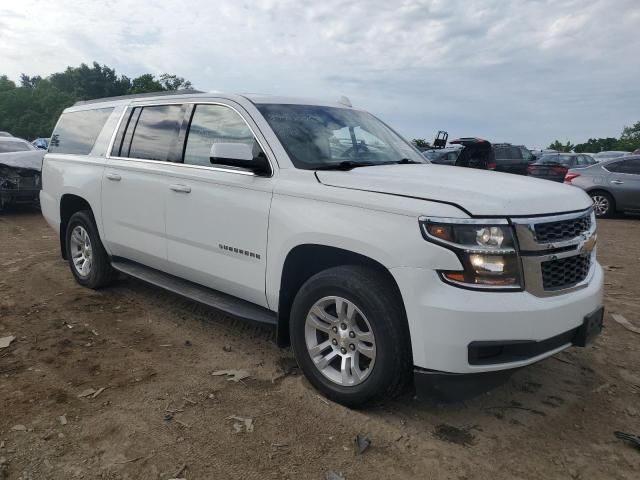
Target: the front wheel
pixel 349 335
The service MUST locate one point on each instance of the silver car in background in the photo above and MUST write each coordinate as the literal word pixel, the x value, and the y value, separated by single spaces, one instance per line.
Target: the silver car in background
pixel 614 185
pixel 610 154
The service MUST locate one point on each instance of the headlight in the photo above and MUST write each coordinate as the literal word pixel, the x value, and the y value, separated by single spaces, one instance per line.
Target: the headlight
pixel 486 249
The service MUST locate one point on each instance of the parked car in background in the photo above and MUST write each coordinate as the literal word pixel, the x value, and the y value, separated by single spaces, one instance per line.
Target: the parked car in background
pixel 614 185
pixel 5 134
pixel 501 157
pixel 41 143
pixel 607 155
pixel 443 156
pixel 317 218
pixel 555 166
pixel 20 167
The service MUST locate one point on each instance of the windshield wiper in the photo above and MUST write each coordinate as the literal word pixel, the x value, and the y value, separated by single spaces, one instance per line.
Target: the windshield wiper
pixel 346 165
pixel 407 161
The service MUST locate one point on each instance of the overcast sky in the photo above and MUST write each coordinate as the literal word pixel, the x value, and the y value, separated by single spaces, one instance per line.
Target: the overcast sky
pixel 519 71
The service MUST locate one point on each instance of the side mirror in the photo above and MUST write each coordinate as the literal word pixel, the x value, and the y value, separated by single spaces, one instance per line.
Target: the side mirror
pixel 239 155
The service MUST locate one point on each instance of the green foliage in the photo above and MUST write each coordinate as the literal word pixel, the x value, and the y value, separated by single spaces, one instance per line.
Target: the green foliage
pixel 173 82
pixel 556 145
pixel 6 84
pixel 31 109
pixel 630 138
pixel 629 141
pixel 595 145
pixel 421 143
pixel 144 84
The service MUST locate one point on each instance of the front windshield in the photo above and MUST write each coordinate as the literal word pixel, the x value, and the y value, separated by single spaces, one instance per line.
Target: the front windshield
pixel 317 136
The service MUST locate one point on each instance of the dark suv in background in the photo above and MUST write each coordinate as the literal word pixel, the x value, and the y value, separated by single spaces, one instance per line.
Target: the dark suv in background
pixel 480 153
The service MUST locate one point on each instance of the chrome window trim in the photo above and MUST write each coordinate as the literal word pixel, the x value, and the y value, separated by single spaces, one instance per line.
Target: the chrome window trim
pixel 237 171
pixel 198 167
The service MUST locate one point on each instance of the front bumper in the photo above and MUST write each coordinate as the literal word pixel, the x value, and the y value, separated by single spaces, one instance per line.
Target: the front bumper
pixel 454 387
pixel 444 320
pixel 16 195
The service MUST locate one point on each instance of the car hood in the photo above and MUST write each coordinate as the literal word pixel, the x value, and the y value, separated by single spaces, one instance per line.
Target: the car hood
pixel 479 192
pixel 29 160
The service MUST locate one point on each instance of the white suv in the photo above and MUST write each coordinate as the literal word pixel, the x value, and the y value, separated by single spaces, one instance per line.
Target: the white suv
pixel 318 218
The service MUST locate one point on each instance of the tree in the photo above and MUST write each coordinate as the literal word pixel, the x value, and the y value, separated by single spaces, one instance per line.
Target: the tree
pixel 86 83
pixel 421 143
pixel 630 138
pixel 6 84
pixel 595 145
pixel 29 82
pixel 173 82
pixel 31 109
pixel 556 145
pixel 145 84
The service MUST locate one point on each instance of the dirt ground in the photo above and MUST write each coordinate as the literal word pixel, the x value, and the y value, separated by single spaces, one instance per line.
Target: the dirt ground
pixel 163 415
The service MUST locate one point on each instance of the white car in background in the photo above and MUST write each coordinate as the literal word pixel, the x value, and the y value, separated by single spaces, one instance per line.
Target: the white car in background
pixel 20 166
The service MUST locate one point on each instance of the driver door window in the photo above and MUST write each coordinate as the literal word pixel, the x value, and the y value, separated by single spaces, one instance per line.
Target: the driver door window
pixel 215 124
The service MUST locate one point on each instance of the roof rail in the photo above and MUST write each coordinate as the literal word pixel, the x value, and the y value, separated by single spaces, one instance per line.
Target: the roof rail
pixel 139 95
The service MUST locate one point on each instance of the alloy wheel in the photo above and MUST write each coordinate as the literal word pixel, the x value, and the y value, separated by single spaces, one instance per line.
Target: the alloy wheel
pixel 340 341
pixel 81 251
pixel 600 205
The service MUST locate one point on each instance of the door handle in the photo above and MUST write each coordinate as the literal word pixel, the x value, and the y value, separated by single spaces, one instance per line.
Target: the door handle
pixel 114 176
pixel 180 188
pixel 617 182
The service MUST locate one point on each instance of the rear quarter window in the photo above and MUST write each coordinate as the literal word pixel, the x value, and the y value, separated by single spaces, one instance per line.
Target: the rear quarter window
pixel 76 132
pixel 503 153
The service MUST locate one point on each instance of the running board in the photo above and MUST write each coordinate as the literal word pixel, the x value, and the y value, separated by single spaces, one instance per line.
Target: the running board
pixel 220 301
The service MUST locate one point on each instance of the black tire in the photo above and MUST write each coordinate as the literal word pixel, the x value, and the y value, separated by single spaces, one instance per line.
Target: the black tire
pixel 101 273
pixel 604 199
pixel 377 298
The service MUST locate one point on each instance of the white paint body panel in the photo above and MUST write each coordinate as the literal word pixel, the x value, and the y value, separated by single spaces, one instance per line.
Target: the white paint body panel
pixel 370 211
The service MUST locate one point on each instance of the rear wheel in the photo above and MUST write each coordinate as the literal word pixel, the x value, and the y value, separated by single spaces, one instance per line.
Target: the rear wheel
pixel 350 336
pixel 87 257
pixel 603 204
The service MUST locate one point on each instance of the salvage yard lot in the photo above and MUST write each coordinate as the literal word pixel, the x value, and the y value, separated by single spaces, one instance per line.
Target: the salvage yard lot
pixel 163 415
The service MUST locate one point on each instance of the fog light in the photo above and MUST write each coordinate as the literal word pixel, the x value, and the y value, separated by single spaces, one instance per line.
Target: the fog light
pixel 487 264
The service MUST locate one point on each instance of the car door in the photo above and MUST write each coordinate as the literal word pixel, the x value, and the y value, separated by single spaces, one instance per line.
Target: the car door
pixel 624 183
pixel 217 217
pixel 135 183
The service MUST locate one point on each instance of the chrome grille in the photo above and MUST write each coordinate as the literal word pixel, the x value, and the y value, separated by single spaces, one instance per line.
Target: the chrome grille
pixel 556 251
pixel 565 272
pixel 562 230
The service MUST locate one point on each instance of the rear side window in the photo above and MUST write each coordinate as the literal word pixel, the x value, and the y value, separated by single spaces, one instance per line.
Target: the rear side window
pixel 154 134
pixel 626 166
pixel 76 132
pixel 502 153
